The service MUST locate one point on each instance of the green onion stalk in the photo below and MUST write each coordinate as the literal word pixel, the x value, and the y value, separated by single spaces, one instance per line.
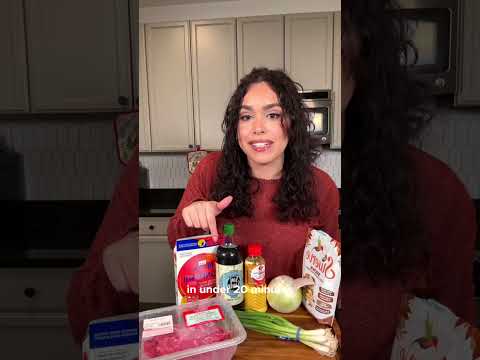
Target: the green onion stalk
pixel 321 340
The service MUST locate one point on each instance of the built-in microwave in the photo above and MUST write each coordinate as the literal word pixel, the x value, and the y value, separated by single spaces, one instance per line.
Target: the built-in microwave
pixel 318 105
pixel 433 28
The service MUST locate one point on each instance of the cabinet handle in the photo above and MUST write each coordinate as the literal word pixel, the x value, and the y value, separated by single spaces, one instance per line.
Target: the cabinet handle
pixel 29 292
pixel 123 100
pixel 151 227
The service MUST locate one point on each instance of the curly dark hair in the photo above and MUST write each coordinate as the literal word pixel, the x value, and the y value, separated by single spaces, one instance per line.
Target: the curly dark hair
pixel 382 234
pixel 295 199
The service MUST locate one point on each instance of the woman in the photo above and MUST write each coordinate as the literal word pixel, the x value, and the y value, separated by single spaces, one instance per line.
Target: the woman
pixel 408 224
pixel 107 283
pixel 263 180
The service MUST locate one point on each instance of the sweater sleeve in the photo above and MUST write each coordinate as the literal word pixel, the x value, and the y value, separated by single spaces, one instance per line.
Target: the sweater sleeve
pixel 450 275
pixel 91 295
pixel 198 189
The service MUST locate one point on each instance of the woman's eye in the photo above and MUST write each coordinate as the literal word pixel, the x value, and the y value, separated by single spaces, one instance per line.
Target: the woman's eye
pixel 245 117
pixel 274 116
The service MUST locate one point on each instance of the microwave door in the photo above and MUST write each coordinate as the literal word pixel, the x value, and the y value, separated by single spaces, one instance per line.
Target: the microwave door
pixel 319 118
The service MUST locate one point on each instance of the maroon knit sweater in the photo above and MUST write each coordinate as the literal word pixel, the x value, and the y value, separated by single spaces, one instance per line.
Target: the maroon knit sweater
pixel 282 243
pixel 370 313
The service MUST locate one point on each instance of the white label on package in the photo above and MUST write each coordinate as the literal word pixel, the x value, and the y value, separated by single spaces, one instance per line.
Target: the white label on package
pixel 158 326
pixel 195 318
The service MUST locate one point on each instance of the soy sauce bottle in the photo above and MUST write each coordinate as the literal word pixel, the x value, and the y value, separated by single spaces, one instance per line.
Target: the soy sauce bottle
pixel 229 268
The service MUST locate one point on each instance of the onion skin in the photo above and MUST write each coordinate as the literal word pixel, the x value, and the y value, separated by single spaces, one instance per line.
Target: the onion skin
pixel 282 295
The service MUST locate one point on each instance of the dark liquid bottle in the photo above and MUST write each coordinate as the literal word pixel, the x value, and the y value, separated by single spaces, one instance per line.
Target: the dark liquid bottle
pixel 229 268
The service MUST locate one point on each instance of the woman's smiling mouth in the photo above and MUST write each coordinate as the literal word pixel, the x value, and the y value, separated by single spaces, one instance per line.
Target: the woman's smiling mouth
pixel 261 145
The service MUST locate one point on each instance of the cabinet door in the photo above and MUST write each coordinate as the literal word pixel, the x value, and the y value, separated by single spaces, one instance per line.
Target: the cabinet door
pixel 144 117
pixel 469 72
pixel 336 139
pixel 13 69
pixel 260 42
pixel 134 49
pixel 214 77
pixel 169 86
pixel 156 276
pixel 78 62
pixel 39 336
pixel 308 49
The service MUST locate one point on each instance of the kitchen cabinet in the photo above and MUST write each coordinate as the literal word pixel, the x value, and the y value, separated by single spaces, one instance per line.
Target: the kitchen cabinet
pixel 260 42
pixel 33 311
pixel 37 336
pixel 144 117
pixel 169 83
pixel 13 62
pixel 336 139
pixel 468 93
pixel 156 271
pixel 192 68
pixel 78 62
pixel 134 45
pixel 214 76
pixel 309 49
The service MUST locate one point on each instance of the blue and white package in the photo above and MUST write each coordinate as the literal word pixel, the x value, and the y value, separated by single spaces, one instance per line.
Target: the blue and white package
pixel 113 338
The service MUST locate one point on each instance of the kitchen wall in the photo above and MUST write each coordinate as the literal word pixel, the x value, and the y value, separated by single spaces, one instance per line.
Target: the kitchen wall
pixel 454 137
pixel 65 159
pixel 170 170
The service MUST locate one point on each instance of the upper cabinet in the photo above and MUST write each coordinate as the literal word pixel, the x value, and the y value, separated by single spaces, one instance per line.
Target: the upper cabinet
pixel 260 42
pixel 144 117
pixel 135 47
pixel 169 86
pixel 469 72
pixel 214 69
pixel 78 62
pixel 192 69
pixel 13 65
pixel 308 49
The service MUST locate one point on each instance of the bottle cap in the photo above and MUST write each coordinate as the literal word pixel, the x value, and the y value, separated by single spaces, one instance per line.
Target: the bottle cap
pixel 228 229
pixel 254 250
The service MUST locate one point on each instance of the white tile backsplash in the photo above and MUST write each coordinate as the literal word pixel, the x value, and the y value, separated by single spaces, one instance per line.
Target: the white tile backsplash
pixel 65 159
pixel 169 171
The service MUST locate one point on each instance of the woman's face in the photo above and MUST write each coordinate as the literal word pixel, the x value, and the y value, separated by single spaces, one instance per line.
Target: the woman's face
pixel 260 133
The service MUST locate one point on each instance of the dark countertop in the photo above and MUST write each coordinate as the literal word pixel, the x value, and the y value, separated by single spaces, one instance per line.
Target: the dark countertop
pixel 49 233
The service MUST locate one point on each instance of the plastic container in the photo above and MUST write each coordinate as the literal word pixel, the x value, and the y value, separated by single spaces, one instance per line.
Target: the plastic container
pixel 180 316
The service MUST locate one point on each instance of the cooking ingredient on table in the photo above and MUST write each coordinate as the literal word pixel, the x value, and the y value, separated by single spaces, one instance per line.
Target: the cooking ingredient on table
pixel 229 268
pixel 202 330
pixel 255 295
pixel 184 338
pixel 322 340
pixel 284 293
pixel 194 261
pixel 321 264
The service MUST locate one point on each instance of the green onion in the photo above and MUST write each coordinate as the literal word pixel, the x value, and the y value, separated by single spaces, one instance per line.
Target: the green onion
pixel 322 340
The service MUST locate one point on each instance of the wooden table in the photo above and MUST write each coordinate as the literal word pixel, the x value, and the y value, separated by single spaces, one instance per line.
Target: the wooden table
pixel 259 346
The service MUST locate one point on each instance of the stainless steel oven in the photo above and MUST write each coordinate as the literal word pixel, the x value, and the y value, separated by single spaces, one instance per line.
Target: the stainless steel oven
pixel 318 105
pixel 433 25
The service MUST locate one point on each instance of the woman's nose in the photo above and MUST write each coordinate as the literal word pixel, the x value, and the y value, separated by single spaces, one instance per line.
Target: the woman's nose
pixel 259 126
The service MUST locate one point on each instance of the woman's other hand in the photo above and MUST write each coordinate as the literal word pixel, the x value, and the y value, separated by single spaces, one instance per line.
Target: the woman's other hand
pixel 202 214
pixel 120 260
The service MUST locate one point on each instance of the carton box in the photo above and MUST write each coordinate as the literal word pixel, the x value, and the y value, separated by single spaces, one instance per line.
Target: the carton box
pixel 194 261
